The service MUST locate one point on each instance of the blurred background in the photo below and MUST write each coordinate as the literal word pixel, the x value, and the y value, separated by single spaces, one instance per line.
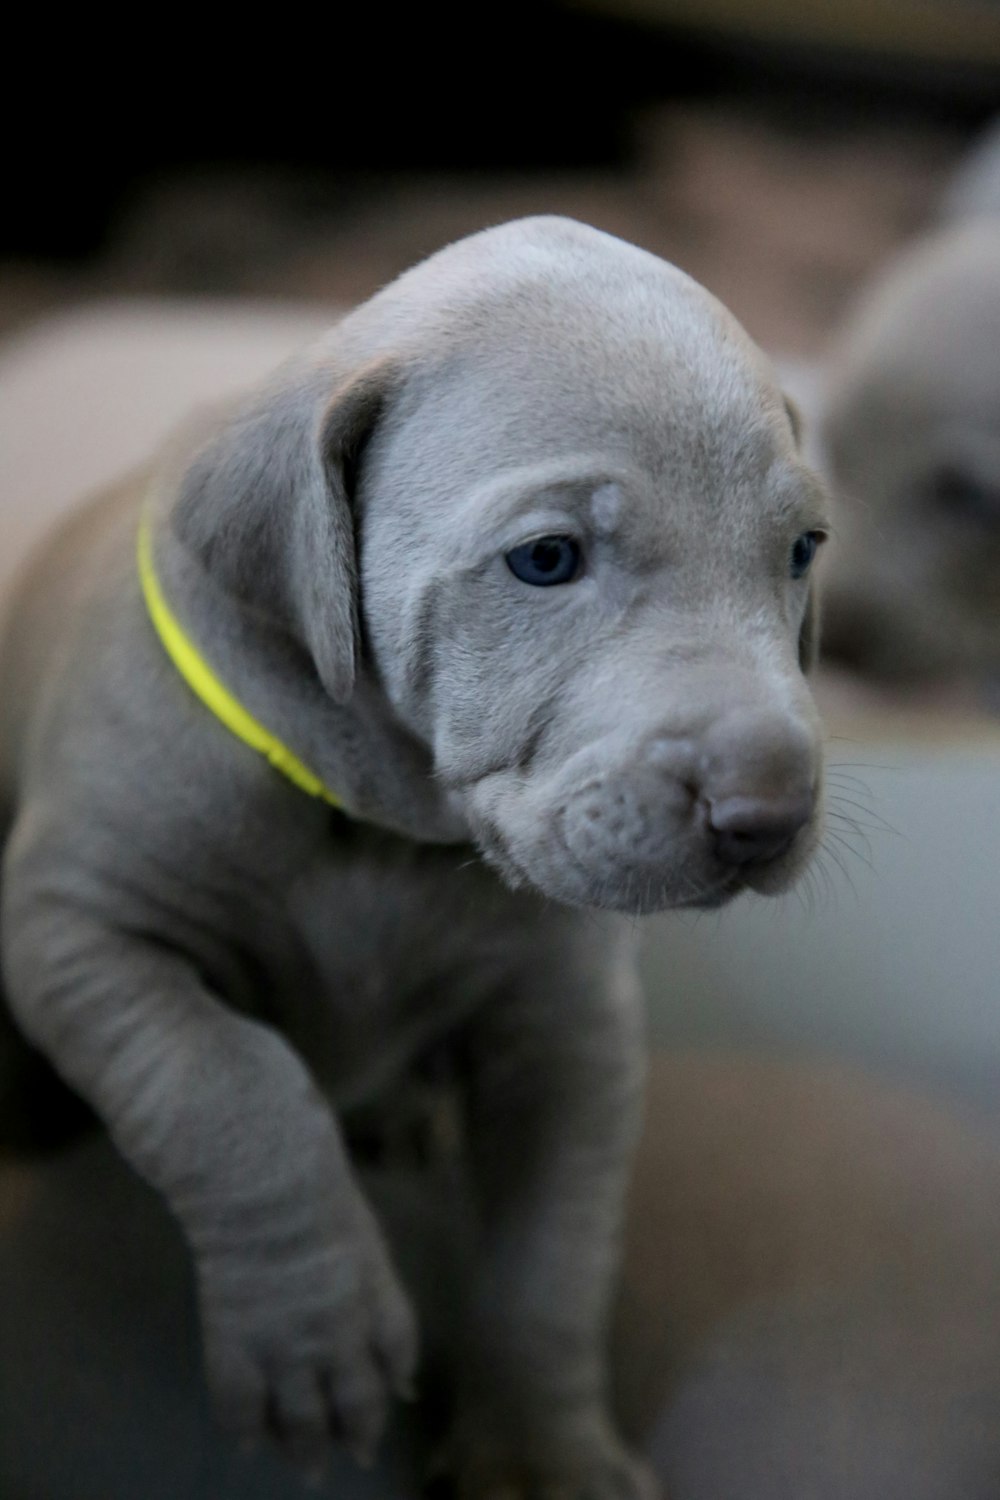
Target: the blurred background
pixel 811 1304
pixel 778 151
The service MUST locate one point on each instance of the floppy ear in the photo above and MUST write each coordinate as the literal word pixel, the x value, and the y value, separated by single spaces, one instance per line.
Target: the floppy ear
pixel 809 632
pixel 794 414
pixel 266 507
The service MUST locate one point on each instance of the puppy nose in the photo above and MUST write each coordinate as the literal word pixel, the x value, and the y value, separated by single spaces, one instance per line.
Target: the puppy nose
pixel 748 830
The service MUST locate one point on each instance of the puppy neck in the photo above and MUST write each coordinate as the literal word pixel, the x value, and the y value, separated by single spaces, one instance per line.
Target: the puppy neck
pixel 258 682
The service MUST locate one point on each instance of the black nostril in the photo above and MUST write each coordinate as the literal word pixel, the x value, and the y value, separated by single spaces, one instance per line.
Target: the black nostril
pixel 746 830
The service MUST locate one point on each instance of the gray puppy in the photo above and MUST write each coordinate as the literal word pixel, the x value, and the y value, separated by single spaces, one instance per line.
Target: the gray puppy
pixel 912 437
pixel 512 566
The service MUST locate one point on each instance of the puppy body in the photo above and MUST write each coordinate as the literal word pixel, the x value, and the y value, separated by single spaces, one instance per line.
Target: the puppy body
pixel 214 958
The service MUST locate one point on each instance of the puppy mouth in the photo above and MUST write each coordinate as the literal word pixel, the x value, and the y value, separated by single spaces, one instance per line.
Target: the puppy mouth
pixel 496 851
pixel 730 885
pixel 644 868
pixel 632 890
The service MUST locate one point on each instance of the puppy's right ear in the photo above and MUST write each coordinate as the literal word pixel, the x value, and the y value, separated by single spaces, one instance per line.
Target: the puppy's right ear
pixel 266 507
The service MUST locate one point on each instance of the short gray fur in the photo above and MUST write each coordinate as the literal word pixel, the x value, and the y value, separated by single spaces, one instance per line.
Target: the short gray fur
pixel 221 966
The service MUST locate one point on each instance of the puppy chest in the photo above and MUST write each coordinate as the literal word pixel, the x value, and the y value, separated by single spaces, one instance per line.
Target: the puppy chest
pixel 398 951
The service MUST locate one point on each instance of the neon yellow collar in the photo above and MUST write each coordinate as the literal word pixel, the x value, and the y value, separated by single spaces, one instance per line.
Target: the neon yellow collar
pixel 205 685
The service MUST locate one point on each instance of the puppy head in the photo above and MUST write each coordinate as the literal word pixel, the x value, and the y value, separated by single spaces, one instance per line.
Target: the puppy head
pixel 585 538
pixel 542 497
pixel 912 433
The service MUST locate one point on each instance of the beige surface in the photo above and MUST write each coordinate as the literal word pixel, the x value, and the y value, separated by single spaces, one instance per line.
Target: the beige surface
pixel 88 393
pixel 811 1301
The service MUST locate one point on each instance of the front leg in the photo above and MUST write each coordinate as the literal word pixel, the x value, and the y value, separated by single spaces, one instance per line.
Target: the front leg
pixel 554 1094
pixel 307 1331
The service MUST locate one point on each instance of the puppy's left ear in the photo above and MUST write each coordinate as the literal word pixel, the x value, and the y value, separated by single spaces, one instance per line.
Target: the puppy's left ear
pixel 324 562
pixel 795 418
pixel 809 632
pixel 266 507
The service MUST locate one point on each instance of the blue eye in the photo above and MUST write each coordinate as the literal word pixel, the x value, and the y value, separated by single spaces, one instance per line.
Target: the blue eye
pixel 545 561
pixel 803 552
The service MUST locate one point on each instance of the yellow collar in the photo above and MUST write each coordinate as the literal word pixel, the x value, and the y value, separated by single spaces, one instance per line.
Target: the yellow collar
pixel 205 685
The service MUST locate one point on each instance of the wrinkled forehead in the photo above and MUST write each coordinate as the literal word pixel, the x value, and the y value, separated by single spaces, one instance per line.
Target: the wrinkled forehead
pixel 653 378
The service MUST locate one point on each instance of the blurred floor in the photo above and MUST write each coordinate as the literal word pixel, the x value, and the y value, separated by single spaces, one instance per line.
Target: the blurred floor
pixel 810 1305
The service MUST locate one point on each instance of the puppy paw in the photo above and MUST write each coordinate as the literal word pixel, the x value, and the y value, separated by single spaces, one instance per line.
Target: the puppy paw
pixel 310 1351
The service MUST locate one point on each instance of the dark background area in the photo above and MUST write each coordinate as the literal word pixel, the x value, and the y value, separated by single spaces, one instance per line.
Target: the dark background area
pixel 324 106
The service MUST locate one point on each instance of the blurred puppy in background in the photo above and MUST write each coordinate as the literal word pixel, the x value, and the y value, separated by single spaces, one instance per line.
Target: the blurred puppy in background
pixel 911 440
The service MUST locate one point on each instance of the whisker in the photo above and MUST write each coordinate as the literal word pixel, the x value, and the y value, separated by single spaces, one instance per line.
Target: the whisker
pixel 844 739
pixel 862 847
pixel 842 867
pixel 823 886
pixel 878 822
pixel 840 769
pixel 822 876
pixel 864 765
pixel 803 892
pixel 850 820
pixel 819 872
pixel 861 816
pixel 863 854
pixel 850 783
